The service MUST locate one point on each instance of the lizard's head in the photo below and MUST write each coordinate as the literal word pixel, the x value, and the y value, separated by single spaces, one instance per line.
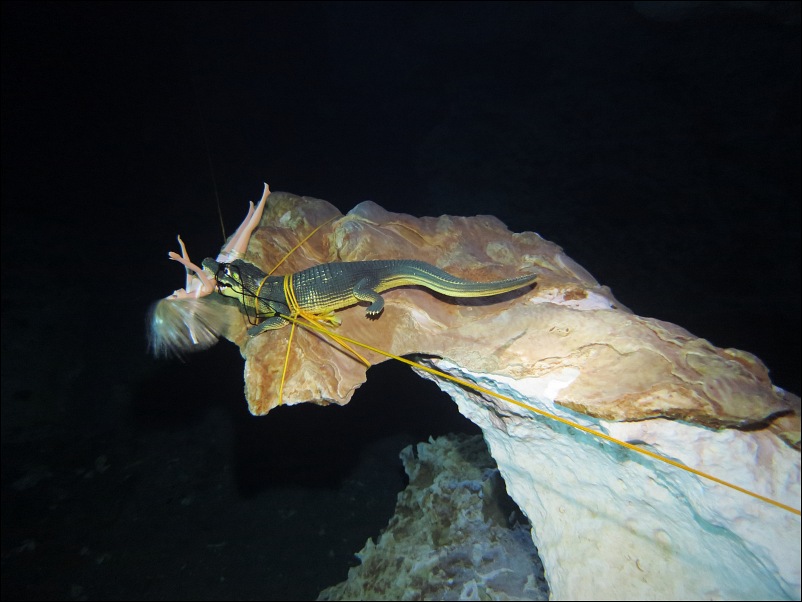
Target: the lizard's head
pixel 242 281
pixel 237 279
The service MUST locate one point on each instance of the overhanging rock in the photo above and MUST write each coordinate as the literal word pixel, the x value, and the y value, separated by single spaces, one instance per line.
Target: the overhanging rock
pixel 608 522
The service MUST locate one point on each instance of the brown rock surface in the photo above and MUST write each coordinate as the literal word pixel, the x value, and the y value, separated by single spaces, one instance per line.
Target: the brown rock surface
pixel 627 367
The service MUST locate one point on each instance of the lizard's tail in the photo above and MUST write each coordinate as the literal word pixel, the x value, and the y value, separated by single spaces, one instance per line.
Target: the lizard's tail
pixel 424 274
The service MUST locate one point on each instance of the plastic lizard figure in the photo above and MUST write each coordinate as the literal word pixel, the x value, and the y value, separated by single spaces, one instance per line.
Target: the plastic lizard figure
pixel 318 290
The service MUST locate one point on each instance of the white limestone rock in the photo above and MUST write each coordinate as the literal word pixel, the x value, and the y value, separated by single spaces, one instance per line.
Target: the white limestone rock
pixel 449 538
pixel 612 524
pixel 609 523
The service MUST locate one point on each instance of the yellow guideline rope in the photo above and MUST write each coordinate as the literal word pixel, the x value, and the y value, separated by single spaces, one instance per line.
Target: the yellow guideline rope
pixel 314 322
pixel 313 319
pixel 289 294
pixel 295 248
pixel 314 325
pixel 316 319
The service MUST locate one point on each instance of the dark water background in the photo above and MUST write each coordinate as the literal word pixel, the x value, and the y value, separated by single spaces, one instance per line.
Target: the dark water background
pixel 660 149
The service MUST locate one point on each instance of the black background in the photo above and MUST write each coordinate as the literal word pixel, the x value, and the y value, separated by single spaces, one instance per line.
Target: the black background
pixel 660 147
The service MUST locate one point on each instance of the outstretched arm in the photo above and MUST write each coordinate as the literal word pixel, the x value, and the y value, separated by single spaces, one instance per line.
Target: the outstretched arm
pixel 199 284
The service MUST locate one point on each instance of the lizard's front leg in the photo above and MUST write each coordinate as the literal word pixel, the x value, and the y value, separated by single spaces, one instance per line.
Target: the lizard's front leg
pixel 271 323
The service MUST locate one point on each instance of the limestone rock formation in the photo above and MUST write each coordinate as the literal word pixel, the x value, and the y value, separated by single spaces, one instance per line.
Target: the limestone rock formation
pixel 450 537
pixel 609 523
